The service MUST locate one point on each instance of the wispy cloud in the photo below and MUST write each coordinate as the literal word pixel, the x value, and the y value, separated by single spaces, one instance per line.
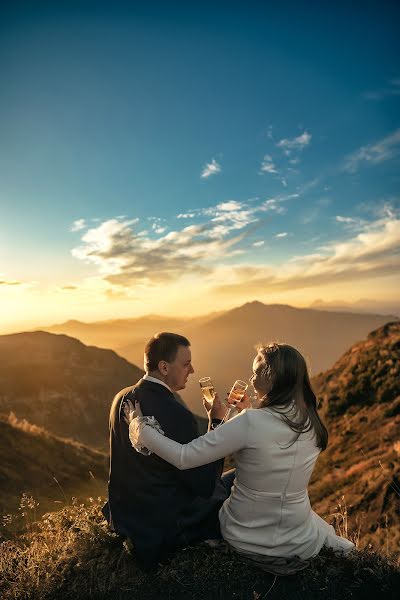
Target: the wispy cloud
pixel 373 252
pixel 125 258
pixel 347 220
pixel 189 215
pixel 391 89
pixel 158 226
pixel 296 144
pixel 78 225
pixel 373 154
pixel 259 243
pixel 211 168
pixel 267 165
pixel 283 234
pixel 10 282
pixel 126 255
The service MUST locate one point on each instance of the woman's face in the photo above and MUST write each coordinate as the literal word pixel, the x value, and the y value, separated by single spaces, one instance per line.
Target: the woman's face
pixel 261 385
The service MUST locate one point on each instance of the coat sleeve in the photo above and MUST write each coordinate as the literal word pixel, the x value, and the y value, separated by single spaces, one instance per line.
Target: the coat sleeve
pixel 226 439
pixel 200 480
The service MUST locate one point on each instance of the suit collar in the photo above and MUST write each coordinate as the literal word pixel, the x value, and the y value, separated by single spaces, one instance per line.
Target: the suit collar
pixel 155 380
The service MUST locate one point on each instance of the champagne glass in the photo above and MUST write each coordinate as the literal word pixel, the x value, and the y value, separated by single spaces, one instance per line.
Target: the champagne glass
pixel 207 389
pixel 237 392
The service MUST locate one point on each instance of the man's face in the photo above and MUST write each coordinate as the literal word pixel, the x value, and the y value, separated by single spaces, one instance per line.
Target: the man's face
pixel 179 370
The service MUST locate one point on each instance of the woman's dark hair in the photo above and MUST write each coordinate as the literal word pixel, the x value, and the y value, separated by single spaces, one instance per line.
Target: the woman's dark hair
pixel 162 346
pixel 285 369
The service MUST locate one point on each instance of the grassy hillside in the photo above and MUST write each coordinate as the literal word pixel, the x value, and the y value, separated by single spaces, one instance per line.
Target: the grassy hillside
pixel 361 406
pixel 58 383
pixel 74 556
pixel 38 464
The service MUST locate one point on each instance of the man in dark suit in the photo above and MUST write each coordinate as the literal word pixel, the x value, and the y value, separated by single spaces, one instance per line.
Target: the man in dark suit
pixel 150 502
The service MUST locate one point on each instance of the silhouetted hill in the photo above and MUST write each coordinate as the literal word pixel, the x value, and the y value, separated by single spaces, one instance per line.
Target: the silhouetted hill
pixel 51 469
pixel 58 383
pixel 361 406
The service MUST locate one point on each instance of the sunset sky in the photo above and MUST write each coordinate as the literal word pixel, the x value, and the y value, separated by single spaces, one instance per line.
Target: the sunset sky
pixel 180 158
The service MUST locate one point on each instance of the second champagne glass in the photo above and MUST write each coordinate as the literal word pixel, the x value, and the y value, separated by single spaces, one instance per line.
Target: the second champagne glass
pixel 237 392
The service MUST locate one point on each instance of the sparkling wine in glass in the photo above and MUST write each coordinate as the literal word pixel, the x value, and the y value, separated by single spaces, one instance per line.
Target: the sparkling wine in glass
pixel 207 389
pixel 237 392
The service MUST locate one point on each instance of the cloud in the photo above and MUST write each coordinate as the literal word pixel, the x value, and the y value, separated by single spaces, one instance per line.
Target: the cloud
pixel 373 252
pixel 125 258
pixel 391 89
pixel 373 154
pixel 260 243
pixel 157 226
pixel 277 204
pixel 348 220
pixel 296 144
pixel 5 282
pixel 267 165
pixel 231 205
pixel 211 168
pixel 189 215
pixel 78 225
pixel 126 255
pixel 282 235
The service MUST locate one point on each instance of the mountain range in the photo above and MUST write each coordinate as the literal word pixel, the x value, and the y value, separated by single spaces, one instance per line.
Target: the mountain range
pixel 223 343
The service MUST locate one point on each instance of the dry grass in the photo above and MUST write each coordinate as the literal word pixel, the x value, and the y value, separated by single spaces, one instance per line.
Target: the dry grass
pixel 72 554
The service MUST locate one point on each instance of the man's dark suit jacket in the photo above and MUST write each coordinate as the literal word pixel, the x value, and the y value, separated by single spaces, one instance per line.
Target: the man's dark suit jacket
pixel 150 501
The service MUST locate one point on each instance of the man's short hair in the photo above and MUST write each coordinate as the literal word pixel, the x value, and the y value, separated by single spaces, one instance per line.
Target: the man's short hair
pixel 162 346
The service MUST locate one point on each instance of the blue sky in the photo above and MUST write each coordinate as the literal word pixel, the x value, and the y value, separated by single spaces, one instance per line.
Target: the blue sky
pixel 152 150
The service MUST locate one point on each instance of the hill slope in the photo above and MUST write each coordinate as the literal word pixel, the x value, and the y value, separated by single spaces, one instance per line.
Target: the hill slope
pixel 361 406
pixel 58 383
pixel 35 463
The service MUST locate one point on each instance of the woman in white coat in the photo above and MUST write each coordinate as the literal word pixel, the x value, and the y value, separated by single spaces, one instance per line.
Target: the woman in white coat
pixel 276 445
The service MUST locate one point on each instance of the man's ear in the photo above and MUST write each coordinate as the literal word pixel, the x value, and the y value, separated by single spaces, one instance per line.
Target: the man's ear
pixel 163 367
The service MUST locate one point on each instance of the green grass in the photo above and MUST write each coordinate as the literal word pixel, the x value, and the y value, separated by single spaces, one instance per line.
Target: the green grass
pixel 71 554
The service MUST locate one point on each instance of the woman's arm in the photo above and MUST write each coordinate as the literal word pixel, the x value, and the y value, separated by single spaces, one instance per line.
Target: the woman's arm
pixel 225 439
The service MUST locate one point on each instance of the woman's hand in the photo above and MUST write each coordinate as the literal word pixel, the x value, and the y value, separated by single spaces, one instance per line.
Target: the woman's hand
pixel 244 403
pixel 215 409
